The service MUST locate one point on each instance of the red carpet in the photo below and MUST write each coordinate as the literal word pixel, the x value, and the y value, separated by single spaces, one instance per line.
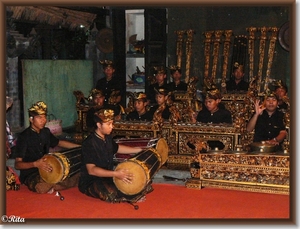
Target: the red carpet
pixel 165 202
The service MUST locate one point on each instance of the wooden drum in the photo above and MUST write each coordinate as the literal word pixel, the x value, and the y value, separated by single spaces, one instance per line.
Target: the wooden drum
pixel 143 166
pixel 159 144
pixel 64 164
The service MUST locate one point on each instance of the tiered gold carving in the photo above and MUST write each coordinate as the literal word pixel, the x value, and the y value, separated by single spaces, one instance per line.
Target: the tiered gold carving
pixel 264 173
pixel 226 49
pixel 189 40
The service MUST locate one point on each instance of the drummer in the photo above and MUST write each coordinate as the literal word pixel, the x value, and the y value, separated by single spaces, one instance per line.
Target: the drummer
pixel 97 171
pixel 267 121
pixel 33 143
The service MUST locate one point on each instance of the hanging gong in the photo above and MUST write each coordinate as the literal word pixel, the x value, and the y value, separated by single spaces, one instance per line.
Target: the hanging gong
pixel 104 40
pixel 283 36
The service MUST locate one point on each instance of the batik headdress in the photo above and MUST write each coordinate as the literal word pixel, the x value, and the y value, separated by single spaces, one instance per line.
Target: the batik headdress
pixel 106 63
pixel 39 108
pixel 105 115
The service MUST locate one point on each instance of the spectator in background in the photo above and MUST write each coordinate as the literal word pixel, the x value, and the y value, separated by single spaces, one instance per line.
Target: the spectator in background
pixel 10 138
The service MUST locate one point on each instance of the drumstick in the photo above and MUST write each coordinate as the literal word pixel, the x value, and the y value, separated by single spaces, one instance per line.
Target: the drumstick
pixel 174 178
pixel 136 207
pixel 61 197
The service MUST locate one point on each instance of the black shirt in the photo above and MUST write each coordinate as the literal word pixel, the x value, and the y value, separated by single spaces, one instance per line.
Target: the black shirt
pixel 283 107
pixel 151 92
pixel 109 86
pixel 165 114
pixel 182 86
pixel 31 146
pixel 134 116
pixel 268 127
pixel 220 116
pixel 98 152
pixel 241 86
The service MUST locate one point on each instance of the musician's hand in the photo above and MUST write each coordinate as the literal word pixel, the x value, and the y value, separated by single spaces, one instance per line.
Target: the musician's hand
pixel 259 107
pixel 43 164
pixel 273 142
pixel 124 175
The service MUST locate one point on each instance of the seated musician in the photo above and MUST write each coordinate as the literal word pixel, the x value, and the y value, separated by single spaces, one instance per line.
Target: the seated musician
pixel 97 97
pixel 213 111
pixel 237 82
pixel 33 143
pixel 163 111
pixel 110 82
pixel 97 172
pixel 141 112
pixel 281 91
pixel 161 81
pixel 267 121
pixel 176 84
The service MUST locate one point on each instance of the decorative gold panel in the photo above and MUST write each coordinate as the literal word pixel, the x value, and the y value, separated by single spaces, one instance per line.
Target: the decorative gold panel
pixel 250 172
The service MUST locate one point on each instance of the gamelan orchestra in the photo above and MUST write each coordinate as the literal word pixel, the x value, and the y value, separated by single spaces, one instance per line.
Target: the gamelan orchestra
pixel 232 133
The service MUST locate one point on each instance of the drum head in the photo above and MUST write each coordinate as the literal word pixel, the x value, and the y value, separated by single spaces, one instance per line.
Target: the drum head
pixel 139 180
pixel 163 150
pixel 57 172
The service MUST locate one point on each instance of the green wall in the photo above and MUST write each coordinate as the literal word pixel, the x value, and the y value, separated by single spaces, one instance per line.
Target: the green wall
pixel 53 81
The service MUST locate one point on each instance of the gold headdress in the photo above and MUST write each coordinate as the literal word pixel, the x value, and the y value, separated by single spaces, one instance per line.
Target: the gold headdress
pixel 161 90
pixel 160 69
pixel 106 63
pixel 174 68
pixel 39 108
pixel 271 94
pixel 140 95
pixel 105 115
pixel 94 92
pixel 281 84
pixel 213 93
pixel 238 66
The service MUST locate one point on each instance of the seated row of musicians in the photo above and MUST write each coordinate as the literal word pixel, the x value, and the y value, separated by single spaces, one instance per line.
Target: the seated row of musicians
pixel 236 83
pixel 213 111
pixel 141 111
pixel 161 82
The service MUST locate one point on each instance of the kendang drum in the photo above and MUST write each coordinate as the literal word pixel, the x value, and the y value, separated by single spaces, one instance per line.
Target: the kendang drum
pixel 64 164
pixel 143 166
pixel 159 144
